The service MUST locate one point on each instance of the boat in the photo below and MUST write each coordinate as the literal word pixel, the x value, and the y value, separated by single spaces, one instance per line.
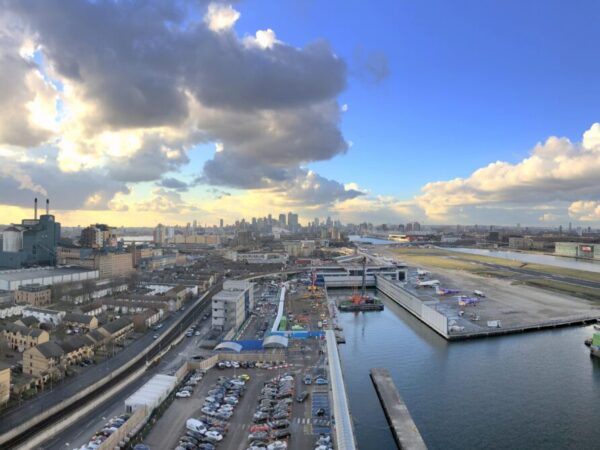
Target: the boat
pixel 588 342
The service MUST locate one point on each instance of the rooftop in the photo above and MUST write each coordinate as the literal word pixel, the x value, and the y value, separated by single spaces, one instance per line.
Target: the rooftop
pixel 116 325
pixel 34 287
pixel 79 318
pixel 39 272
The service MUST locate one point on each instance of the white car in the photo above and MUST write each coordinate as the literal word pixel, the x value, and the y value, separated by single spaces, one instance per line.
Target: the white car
pixel 237 382
pixel 227 364
pixel 225 408
pixel 235 364
pixel 213 435
pixel 183 394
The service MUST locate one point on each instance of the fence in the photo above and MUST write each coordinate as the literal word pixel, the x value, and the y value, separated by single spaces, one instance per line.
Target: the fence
pixel 122 432
pixel 414 305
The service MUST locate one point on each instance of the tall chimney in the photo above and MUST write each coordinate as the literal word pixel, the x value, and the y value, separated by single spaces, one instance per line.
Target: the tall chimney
pixel 35 209
pixel 47 206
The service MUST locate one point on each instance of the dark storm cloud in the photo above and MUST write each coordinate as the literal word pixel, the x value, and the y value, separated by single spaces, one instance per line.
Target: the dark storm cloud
pixel 148 163
pixel 15 128
pixel 70 190
pixel 173 183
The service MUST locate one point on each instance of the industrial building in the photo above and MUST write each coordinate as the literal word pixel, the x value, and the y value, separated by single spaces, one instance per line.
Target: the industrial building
pixel 231 306
pixel 10 280
pixel 577 250
pixel 32 243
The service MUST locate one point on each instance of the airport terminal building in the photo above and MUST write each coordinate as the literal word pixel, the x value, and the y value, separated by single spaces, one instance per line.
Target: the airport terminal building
pixel 578 250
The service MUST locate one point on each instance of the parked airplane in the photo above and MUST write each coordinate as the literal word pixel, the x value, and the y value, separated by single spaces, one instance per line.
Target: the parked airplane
pixel 422 273
pixel 428 283
pixel 442 291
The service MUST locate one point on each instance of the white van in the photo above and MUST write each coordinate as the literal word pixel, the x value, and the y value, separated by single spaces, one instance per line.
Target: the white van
pixel 195 425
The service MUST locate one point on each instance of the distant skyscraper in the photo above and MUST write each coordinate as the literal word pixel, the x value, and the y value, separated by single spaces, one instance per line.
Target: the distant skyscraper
pixel 292 221
pixel 159 234
pixel 221 223
pixel 282 221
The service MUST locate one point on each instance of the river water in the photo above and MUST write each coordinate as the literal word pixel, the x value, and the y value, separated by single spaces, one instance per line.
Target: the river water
pixel 549 260
pixel 525 391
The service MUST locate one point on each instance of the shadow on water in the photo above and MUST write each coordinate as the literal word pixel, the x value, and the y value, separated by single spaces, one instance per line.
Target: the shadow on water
pixel 534 390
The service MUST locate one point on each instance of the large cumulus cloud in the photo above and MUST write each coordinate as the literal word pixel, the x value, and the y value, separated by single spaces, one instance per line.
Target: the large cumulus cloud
pixel 143 82
pixel 558 172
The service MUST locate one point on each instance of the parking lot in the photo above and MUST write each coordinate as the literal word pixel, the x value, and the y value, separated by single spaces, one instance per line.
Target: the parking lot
pixel 301 415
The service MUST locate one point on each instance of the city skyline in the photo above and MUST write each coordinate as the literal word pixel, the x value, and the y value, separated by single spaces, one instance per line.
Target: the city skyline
pixel 434 113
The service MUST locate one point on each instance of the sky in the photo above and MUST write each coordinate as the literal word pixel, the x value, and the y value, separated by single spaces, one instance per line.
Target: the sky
pixel 139 112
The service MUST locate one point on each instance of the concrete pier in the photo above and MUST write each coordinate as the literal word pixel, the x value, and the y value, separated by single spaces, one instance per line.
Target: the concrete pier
pixel 405 431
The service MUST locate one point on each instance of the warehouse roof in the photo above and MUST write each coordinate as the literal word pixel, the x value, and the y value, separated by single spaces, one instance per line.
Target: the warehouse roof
pixel 153 392
pixel 39 272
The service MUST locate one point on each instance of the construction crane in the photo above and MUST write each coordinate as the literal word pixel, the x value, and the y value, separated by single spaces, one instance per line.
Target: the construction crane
pixel 359 299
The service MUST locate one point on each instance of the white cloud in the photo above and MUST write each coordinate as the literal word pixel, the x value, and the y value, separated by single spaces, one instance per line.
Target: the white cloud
pixel 221 17
pixel 264 39
pixel 587 211
pixel 557 170
pixel 548 217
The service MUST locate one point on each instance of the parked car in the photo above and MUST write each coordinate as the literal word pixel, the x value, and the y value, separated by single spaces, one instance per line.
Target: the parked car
pixel 183 394
pixel 213 435
pixel 302 396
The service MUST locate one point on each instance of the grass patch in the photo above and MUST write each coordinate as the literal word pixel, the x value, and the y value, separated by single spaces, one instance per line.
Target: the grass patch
pixel 564 288
pixel 409 253
pixel 442 262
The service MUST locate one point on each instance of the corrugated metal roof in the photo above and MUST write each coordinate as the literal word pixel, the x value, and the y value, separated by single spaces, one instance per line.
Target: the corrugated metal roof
pixel 229 345
pixel 275 341
pixel 153 392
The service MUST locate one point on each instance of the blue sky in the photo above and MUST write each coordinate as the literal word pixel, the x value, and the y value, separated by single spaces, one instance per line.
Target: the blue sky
pixel 470 82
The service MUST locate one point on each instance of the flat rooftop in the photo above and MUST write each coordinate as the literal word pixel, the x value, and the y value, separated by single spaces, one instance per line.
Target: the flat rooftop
pixel 40 272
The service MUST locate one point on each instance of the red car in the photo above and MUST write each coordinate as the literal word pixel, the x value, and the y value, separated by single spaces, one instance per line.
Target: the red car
pixel 259 428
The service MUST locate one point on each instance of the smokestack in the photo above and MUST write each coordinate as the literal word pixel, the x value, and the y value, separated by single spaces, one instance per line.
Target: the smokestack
pixel 35 209
pixel 47 206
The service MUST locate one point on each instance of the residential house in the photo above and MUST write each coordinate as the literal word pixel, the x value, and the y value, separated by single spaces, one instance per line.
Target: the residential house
pixel 117 330
pixel 29 321
pixel 21 338
pixel 145 319
pixel 4 382
pixel 53 358
pixel 81 321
